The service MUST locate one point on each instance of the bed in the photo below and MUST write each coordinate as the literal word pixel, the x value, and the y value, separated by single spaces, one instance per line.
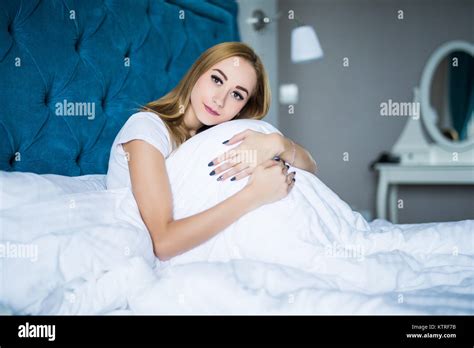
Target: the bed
pixel 70 246
pixel 308 253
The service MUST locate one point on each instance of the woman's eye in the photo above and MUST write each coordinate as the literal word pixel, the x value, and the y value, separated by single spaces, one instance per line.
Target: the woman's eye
pixel 218 80
pixel 239 96
pixel 214 78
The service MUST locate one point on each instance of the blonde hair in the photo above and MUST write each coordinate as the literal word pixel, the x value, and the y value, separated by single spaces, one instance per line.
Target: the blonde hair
pixel 172 106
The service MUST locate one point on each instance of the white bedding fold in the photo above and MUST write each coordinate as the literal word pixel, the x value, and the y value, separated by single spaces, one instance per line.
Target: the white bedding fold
pixel 72 237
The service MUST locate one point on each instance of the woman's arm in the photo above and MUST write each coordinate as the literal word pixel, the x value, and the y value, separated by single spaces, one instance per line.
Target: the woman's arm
pixel 152 192
pixel 302 157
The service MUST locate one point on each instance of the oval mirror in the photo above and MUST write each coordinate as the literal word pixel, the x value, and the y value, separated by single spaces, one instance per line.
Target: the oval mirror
pixel 447 96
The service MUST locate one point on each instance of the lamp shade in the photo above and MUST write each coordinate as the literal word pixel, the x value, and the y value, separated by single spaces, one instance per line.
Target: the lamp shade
pixel 305 44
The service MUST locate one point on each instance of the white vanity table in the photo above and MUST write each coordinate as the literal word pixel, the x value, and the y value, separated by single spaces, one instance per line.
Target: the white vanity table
pixel 430 147
pixel 392 175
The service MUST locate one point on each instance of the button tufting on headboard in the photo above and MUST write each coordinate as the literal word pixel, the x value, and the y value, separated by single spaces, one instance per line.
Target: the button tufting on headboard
pixel 47 98
pixel 71 73
pixel 76 45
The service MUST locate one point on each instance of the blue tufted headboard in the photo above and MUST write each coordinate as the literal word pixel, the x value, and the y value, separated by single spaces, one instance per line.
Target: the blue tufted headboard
pixel 73 71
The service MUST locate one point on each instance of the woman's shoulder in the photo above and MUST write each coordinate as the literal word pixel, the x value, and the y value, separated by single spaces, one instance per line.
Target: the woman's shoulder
pixel 146 126
pixel 145 115
pixel 145 121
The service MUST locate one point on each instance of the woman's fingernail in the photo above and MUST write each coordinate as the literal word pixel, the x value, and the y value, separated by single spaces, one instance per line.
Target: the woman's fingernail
pixel 210 164
pixel 219 178
pixel 287 166
pixel 294 179
pixel 212 173
pixel 276 158
pixel 232 179
pixel 225 142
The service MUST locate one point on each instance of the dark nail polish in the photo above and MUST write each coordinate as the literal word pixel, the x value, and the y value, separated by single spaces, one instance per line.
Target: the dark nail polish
pixel 210 164
pixel 276 158
pixel 294 179
pixel 232 179
pixel 212 173
pixel 219 178
pixel 225 142
pixel 287 166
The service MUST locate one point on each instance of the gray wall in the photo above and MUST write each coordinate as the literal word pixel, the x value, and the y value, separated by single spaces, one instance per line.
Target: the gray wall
pixel 265 44
pixel 339 107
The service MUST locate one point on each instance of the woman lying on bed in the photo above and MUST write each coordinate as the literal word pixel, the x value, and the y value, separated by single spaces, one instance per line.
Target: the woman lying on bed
pixel 227 82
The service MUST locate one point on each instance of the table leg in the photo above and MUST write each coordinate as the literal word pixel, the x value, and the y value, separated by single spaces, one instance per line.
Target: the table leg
pixel 393 204
pixel 381 197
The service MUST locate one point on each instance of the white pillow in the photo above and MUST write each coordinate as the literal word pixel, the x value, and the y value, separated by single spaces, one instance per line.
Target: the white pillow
pixel 194 190
pixel 196 153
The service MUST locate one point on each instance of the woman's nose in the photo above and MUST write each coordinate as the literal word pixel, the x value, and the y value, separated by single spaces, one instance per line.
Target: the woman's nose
pixel 218 101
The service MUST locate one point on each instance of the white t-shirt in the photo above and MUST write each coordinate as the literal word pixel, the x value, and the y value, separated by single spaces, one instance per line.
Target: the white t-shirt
pixel 146 126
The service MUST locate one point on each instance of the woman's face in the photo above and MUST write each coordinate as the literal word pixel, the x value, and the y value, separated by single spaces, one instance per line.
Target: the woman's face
pixel 222 91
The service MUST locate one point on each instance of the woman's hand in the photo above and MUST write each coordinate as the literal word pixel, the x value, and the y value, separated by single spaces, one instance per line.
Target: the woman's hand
pixel 241 161
pixel 271 182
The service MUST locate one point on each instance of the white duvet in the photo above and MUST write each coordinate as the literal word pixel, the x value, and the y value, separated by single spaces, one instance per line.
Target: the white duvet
pixel 69 246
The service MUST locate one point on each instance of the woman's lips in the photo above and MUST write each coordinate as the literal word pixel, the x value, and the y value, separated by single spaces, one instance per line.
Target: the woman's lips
pixel 209 110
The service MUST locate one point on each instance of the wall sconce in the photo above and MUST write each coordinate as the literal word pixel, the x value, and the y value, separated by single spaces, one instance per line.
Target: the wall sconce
pixel 259 20
pixel 305 44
